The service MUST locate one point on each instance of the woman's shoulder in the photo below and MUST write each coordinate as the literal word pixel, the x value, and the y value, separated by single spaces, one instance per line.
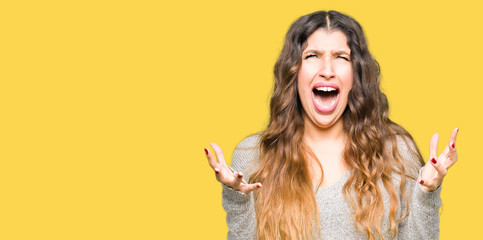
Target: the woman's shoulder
pixel 409 153
pixel 249 142
pixel 246 154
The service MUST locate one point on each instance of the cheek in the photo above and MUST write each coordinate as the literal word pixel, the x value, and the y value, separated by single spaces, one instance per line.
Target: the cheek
pixel 350 81
pixel 303 80
pixel 306 73
pixel 303 91
pixel 347 77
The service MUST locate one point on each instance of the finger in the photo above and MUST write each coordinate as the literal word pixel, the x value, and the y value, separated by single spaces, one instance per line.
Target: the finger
pixel 246 188
pixel 212 161
pixel 452 139
pixel 428 173
pixel 433 146
pixel 225 176
pixel 432 183
pixel 439 168
pixel 449 153
pixel 238 180
pixel 218 153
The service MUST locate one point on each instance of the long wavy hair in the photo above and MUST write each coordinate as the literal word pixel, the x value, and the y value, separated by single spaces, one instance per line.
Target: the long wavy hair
pixel 286 207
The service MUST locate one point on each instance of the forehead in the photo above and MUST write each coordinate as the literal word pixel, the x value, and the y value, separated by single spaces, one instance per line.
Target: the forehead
pixel 325 40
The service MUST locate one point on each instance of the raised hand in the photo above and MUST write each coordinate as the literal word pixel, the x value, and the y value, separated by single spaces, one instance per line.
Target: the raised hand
pixel 225 174
pixel 437 166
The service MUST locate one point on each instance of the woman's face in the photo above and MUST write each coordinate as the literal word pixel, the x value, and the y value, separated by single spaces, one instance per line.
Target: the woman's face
pixel 325 77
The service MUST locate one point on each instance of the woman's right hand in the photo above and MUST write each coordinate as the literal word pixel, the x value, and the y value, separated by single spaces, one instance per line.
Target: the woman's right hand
pixel 225 174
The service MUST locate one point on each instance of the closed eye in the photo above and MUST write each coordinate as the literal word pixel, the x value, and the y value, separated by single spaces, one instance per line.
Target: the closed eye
pixel 342 57
pixel 310 55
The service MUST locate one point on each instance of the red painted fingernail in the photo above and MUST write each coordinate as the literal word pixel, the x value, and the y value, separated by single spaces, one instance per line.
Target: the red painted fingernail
pixel 217 171
pixel 434 161
pixel 421 181
pixel 206 151
pixel 457 129
pixel 259 185
pixel 240 175
pixel 452 145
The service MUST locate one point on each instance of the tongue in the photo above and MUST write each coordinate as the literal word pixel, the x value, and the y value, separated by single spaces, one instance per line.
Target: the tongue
pixel 325 99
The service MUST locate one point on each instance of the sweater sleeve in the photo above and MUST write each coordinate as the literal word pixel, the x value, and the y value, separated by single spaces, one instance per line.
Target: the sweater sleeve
pixel 239 207
pixel 423 219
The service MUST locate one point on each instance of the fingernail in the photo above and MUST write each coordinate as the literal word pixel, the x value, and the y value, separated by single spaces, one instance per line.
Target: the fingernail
pixel 217 170
pixel 206 151
pixel 259 185
pixel 421 181
pixel 239 175
pixel 452 145
pixel 457 129
pixel 434 161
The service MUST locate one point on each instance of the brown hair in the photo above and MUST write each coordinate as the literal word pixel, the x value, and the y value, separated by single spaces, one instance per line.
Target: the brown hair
pixel 286 207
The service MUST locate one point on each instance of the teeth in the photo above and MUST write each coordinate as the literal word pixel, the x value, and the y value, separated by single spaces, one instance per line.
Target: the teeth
pixel 326 89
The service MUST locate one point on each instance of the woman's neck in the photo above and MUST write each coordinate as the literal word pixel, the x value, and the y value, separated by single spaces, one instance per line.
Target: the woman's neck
pixel 314 134
pixel 327 144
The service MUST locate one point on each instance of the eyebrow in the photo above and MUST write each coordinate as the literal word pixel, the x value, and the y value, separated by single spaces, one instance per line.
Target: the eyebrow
pixel 340 52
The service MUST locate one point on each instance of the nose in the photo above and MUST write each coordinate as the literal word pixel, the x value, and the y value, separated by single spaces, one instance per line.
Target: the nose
pixel 326 70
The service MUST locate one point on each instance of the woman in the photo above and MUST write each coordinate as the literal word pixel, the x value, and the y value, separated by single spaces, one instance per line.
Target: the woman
pixel 332 164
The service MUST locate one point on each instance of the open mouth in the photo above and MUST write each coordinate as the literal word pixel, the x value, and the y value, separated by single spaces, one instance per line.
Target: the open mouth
pixel 325 98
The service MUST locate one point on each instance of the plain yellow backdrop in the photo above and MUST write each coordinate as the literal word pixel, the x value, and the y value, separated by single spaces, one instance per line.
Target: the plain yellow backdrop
pixel 106 106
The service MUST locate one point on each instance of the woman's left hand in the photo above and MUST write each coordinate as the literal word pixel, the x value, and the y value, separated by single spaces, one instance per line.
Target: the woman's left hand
pixel 437 166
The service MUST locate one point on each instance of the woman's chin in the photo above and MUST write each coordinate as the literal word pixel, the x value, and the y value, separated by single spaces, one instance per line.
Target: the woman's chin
pixel 325 122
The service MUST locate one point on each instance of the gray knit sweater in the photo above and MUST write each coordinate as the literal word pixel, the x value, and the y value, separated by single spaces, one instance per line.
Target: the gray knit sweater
pixel 337 221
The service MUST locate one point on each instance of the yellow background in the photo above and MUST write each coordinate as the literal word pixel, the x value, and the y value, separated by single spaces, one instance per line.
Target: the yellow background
pixel 106 106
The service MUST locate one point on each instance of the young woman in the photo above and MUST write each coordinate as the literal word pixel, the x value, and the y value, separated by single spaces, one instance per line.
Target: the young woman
pixel 332 163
